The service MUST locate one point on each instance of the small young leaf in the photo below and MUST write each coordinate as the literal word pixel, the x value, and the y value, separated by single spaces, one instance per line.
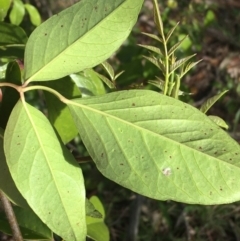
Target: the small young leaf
pixel 45 172
pixel 175 47
pixel 109 69
pixel 219 121
pixel 96 228
pixel 89 83
pixel 153 36
pixel 152 48
pixel 34 14
pixel 211 101
pixel 188 67
pixel 107 81
pixel 91 211
pixel 17 13
pixel 171 32
pixel 179 63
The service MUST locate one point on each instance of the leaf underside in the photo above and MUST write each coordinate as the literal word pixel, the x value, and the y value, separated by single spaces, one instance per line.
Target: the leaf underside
pixel 45 172
pixel 79 37
pixel 159 147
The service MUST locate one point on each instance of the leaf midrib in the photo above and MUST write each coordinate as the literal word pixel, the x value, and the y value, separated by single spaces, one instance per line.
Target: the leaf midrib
pixel 43 150
pixel 69 102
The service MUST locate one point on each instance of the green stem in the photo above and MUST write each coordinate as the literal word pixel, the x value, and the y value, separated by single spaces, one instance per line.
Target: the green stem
pixel 16 233
pixel 159 24
pixel 40 87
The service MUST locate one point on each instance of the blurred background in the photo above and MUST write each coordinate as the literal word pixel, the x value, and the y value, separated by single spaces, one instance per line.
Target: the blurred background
pixel 213 29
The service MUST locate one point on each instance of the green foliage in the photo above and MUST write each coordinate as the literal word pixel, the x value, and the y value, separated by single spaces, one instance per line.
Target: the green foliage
pixel 148 142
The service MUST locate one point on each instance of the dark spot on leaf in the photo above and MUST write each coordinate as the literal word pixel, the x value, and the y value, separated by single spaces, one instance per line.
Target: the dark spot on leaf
pixel 18 144
pixel 170 156
pixel 121 164
pixel 102 154
pixel 205 133
pixel 211 129
pixel 215 153
pixel 165 151
pixel 133 104
pixel 221 189
pixel 236 154
pixel 61 26
pixel 224 149
pixel 210 193
pixel 200 148
pixel 49 212
pixel 230 159
pixel 45 34
pixel 177 168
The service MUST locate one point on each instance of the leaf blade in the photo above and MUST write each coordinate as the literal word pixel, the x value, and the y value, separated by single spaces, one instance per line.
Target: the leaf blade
pixel 179 155
pixel 31 149
pixel 68 48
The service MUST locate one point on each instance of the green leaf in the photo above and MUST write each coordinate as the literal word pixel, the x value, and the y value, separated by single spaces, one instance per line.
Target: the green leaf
pixel 7 184
pixel 153 36
pixel 34 14
pixel 175 47
pixel 210 102
pixel 151 48
pixel 91 211
pixel 89 83
pixel 96 228
pixel 4 6
pixel 58 113
pixel 10 95
pixel 109 69
pixel 79 37
pixel 159 147
pixel 29 223
pixel 107 81
pixel 11 35
pixel 12 41
pixel 219 121
pixel 180 62
pixel 171 32
pixel 45 172
pixel 17 13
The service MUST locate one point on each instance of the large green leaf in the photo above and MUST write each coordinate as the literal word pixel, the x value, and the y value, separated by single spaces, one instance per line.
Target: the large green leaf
pixel 159 147
pixel 79 37
pixel 45 172
pixel 58 113
pixel 7 184
pixel 30 225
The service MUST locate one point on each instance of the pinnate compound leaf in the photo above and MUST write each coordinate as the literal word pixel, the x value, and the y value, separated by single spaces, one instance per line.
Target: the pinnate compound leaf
pixel 210 102
pixel 180 62
pixel 151 48
pixel 159 147
pixel 7 184
pixel 171 32
pixel 31 227
pixel 45 172
pixel 79 37
pixel 153 36
pixel 175 47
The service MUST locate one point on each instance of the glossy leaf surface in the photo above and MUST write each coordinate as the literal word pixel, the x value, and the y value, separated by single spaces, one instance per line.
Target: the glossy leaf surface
pixel 45 172
pixel 159 147
pixel 79 37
